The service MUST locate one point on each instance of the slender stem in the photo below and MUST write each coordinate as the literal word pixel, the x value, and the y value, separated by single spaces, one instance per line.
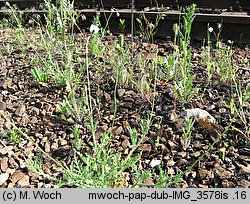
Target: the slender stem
pixel 104 13
pixel 89 90
pixel 107 22
pixel 132 30
pixel 115 96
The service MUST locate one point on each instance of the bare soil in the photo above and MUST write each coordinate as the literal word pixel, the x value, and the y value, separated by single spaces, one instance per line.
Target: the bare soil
pixel 33 109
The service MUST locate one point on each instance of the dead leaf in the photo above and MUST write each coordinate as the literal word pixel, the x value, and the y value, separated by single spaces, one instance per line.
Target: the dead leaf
pixel 171 144
pixel 207 126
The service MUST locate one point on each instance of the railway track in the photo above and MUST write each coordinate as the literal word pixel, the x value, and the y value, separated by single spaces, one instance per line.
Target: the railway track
pixel 232 5
pixel 236 25
pixel 234 15
pixel 140 4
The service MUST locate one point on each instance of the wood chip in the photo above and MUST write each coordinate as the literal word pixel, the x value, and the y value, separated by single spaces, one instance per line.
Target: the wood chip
pixel 170 163
pixel 148 181
pixel 245 169
pixel 47 147
pixel 20 110
pixel 117 131
pixel 120 92
pixel 2 106
pixel 17 176
pixel 107 97
pixel 12 163
pixel 4 164
pixel 125 143
pixel 3 178
pixel 24 181
pixel 63 142
pixel 33 120
pixel 5 150
pixel 206 174
pixel 10 171
pixel 182 154
pixel 126 127
pixel 243 184
pixel 145 147
pixel 196 154
pixel 224 175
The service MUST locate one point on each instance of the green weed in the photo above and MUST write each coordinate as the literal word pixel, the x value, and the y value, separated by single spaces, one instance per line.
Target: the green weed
pixel 106 168
pixel 35 165
pixel 187 132
pixel 122 25
pixel 183 81
pixel 73 106
pixel 77 144
pixel 40 76
pixel 14 136
pixel 149 26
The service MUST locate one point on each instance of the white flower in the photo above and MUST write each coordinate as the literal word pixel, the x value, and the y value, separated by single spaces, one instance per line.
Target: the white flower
pixel 165 61
pixel 94 29
pixel 230 42
pixel 196 55
pixel 5 93
pixel 219 25
pixel 117 14
pixel 210 29
pixel 154 163
pixel 151 25
pixel 171 74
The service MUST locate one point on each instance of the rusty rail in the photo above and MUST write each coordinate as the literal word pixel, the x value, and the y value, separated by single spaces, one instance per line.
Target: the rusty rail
pixel 236 25
pixel 230 5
